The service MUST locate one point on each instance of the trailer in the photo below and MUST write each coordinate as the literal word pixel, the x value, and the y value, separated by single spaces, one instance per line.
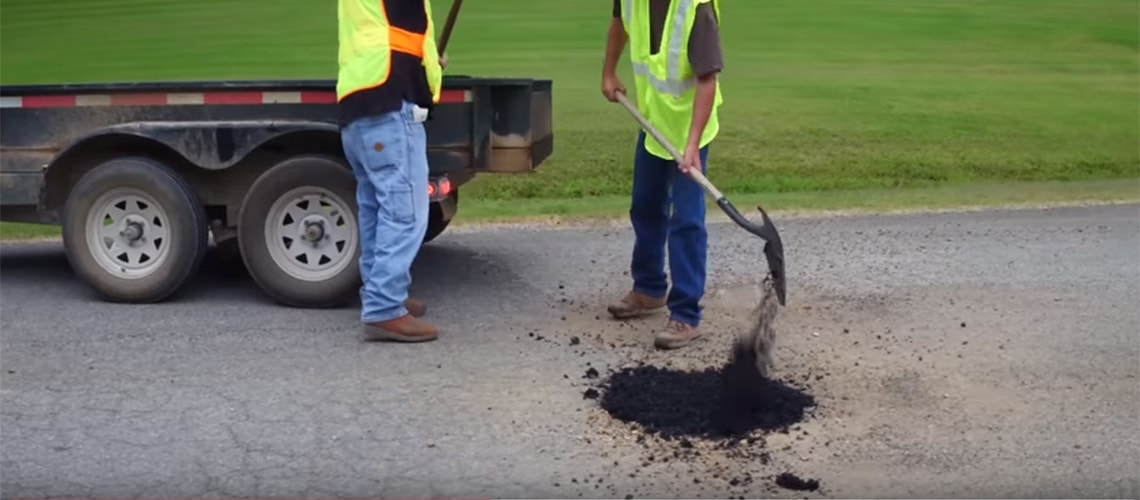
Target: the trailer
pixel 141 175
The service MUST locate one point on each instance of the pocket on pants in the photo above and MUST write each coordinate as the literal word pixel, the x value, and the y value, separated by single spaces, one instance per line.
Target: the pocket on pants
pixel 401 205
pixel 385 149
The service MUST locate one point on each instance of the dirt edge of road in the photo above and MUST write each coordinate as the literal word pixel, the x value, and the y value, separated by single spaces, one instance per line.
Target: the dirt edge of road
pixel 716 217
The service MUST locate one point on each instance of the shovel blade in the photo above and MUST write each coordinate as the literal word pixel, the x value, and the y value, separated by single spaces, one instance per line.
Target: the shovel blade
pixel 774 253
pixel 773 245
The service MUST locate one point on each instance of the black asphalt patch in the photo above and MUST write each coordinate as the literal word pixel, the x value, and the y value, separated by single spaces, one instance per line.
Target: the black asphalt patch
pixel 794 482
pixel 678 404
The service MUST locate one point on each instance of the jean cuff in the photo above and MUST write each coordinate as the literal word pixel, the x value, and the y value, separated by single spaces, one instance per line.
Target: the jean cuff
pixel 686 319
pixel 385 315
pixel 657 294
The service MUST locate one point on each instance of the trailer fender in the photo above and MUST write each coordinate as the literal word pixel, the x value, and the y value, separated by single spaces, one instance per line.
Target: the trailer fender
pixel 208 145
pixel 212 145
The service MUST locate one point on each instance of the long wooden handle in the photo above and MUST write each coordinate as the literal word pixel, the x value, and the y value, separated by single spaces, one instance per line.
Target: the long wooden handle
pixel 448 25
pixel 695 174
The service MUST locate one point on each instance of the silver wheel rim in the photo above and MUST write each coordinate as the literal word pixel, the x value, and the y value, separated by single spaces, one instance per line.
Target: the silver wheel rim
pixel 128 233
pixel 311 233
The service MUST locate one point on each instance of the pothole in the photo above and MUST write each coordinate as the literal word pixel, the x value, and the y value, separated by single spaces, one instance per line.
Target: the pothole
pixel 692 424
pixel 691 404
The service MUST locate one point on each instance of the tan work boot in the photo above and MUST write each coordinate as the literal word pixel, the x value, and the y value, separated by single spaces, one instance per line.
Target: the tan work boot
pixel 415 307
pixel 676 335
pixel 635 304
pixel 406 328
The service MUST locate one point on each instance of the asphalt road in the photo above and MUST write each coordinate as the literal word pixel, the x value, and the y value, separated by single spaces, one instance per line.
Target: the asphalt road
pixel 985 354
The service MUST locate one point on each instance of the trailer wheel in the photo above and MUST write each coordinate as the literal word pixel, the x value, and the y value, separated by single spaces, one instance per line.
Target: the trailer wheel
pixel 133 230
pixel 298 234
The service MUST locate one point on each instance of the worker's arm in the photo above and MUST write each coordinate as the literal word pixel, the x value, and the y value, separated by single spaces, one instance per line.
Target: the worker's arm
pixel 707 60
pixel 615 44
pixel 702 107
pixel 429 33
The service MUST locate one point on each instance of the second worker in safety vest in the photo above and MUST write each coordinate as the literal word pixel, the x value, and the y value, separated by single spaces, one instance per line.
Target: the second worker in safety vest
pixel 676 56
pixel 389 77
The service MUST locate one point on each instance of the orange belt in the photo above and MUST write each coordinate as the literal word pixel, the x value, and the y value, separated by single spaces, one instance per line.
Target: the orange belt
pixel 405 41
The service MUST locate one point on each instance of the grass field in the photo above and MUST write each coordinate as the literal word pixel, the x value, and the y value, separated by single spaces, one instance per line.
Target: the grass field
pixel 820 95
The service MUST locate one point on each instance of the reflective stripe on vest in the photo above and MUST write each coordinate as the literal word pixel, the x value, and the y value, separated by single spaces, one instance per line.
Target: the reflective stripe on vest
pixel 672 84
pixel 665 81
pixel 401 40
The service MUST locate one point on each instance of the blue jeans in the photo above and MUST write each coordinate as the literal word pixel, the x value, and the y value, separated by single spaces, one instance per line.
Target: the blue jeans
pixel 657 184
pixel 388 154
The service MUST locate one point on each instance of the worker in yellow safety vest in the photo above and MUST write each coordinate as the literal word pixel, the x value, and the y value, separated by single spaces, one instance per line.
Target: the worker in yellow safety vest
pixel 389 78
pixel 676 57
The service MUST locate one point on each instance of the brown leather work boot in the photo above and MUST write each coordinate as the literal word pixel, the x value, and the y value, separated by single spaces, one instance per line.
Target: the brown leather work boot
pixel 406 328
pixel 415 307
pixel 676 335
pixel 635 304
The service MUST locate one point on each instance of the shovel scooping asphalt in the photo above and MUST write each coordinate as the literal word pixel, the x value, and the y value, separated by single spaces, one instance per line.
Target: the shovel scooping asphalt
pixel 773 246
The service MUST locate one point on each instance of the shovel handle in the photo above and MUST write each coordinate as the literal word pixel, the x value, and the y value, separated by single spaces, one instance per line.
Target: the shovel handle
pixel 448 25
pixel 696 175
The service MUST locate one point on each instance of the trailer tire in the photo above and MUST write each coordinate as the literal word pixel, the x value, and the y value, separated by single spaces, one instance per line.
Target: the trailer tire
pixel 311 201
pixel 436 223
pixel 141 210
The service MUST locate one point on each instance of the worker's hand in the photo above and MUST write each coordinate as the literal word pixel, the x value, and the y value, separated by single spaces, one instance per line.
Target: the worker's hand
pixel 691 160
pixel 443 61
pixel 611 85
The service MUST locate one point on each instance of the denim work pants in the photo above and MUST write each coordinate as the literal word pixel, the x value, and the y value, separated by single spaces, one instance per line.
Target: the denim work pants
pixel 659 185
pixel 388 154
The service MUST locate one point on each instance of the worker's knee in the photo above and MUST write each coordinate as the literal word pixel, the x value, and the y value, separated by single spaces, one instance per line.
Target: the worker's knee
pixel 688 200
pixel 686 228
pixel 649 211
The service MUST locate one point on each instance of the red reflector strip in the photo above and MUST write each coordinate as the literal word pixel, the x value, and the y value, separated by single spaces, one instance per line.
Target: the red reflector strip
pixel 318 97
pixel 445 96
pixel 48 101
pixel 453 96
pixel 194 99
pixel 232 98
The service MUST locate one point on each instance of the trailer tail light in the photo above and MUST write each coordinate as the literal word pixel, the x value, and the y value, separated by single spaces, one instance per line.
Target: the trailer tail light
pixel 439 189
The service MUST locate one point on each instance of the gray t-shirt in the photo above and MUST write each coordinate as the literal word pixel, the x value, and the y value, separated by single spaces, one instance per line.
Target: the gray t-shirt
pixel 705 54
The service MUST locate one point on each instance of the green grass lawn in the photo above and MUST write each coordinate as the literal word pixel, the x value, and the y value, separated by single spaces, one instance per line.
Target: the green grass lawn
pixel 820 95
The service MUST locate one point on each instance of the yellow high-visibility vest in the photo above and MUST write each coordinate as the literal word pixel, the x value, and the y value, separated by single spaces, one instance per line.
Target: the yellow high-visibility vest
pixel 366 43
pixel 665 82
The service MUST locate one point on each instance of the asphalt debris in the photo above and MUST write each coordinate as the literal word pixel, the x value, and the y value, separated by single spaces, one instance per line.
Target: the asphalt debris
pixel 719 420
pixel 793 482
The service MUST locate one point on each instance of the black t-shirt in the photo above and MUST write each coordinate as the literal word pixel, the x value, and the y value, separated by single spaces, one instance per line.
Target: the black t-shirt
pixel 407 80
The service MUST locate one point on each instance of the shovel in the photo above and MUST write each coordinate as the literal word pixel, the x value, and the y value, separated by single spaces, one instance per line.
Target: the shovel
pixel 773 246
pixel 448 25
